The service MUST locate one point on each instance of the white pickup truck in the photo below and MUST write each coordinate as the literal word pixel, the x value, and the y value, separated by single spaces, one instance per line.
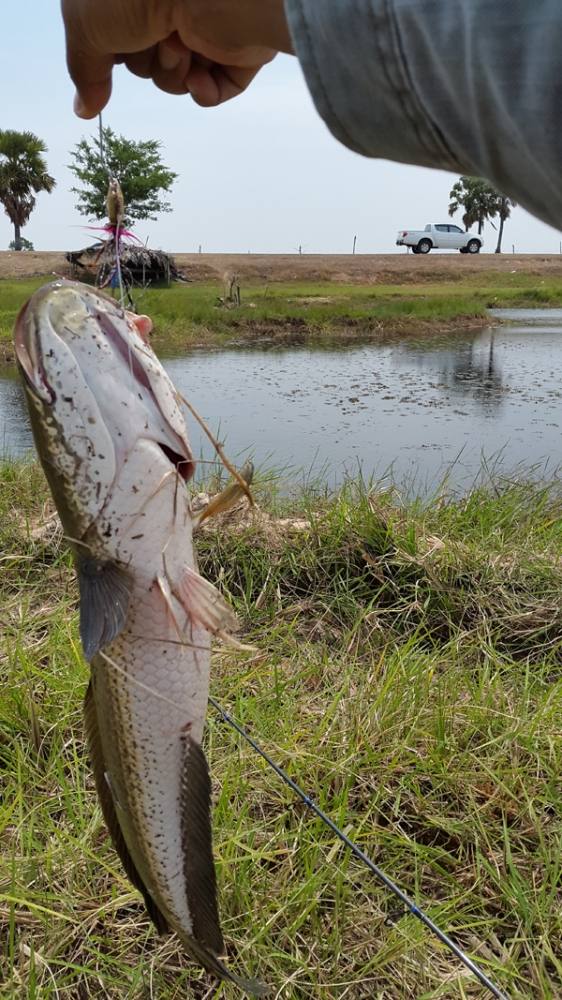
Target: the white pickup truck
pixel 443 236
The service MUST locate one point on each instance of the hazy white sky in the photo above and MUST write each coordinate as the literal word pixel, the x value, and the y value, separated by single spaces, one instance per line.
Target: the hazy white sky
pixel 259 174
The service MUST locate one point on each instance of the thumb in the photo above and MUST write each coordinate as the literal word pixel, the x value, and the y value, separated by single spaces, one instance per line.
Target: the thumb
pixel 91 74
pixel 89 67
pixel 99 32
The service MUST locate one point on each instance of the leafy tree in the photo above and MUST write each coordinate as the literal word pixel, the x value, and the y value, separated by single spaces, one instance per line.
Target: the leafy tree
pixel 138 167
pixel 477 198
pixel 23 174
pixel 24 244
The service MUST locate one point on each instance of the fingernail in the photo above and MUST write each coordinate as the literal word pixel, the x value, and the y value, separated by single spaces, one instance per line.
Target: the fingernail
pixel 80 108
pixel 168 58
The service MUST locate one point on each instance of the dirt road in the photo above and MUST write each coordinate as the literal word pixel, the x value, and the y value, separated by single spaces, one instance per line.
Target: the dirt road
pixel 398 268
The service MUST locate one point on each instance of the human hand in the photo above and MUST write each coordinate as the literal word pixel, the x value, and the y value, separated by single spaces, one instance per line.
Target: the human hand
pixel 211 49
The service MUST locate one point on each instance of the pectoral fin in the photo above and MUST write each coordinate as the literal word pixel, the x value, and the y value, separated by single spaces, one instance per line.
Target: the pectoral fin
pixel 109 813
pixel 105 590
pixel 203 602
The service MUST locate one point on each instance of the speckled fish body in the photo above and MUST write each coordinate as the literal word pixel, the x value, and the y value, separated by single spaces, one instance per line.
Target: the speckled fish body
pixel 114 447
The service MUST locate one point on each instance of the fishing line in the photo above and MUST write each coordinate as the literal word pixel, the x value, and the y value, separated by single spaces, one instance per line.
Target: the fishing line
pixel 102 145
pixel 412 908
pixel 118 266
pixel 218 448
pixel 116 235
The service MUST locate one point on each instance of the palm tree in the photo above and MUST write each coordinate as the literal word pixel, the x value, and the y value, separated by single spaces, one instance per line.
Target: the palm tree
pixel 23 174
pixel 477 197
pixel 504 211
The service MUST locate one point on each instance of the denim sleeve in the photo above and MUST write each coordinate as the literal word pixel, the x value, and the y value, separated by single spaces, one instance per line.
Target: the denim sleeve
pixel 472 86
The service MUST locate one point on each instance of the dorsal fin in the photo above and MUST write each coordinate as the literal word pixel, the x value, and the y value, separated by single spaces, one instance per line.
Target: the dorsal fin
pixel 206 943
pixel 198 864
pixel 109 813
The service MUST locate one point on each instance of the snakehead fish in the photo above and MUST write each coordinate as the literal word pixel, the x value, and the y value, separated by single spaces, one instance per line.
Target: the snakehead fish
pixel 114 447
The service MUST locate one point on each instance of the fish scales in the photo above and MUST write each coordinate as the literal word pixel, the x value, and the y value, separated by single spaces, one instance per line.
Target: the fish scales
pixel 114 446
pixel 142 735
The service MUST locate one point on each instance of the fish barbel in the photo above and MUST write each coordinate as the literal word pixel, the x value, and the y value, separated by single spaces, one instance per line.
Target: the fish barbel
pixel 114 447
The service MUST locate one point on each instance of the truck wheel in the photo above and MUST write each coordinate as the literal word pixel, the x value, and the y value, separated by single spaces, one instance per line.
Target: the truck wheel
pixel 415 250
pixel 424 246
pixel 473 246
pixel 463 250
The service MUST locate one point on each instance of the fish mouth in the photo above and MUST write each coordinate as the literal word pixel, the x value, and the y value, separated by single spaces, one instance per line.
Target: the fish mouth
pixel 29 357
pixel 183 464
pixel 69 321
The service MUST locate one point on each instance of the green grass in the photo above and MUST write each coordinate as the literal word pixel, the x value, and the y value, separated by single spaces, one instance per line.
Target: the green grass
pixel 407 673
pixel 189 315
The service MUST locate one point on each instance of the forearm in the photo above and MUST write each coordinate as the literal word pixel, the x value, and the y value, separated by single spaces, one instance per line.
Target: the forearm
pixel 473 86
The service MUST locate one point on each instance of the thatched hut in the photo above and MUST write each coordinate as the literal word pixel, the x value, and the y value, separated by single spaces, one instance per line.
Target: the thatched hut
pixel 140 265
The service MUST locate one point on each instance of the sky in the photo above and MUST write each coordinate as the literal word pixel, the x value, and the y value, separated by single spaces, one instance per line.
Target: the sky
pixel 260 174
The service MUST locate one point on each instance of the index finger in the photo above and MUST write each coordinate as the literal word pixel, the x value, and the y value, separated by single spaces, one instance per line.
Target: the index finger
pixel 90 70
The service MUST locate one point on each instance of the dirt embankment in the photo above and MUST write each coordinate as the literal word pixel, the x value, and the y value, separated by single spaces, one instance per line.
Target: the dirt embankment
pixel 360 269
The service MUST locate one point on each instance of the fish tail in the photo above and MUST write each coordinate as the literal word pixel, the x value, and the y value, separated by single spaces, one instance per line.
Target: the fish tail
pixel 213 964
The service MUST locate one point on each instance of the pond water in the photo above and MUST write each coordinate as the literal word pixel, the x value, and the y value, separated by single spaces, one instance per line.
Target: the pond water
pixel 412 409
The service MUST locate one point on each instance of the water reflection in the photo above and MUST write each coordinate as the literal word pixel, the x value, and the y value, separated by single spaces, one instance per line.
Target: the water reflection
pixel 412 407
pixel 15 433
pixel 479 375
pixel 469 367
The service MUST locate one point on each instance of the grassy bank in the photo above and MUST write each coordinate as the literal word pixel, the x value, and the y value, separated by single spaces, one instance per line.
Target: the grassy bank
pixel 407 674
pixel 187 316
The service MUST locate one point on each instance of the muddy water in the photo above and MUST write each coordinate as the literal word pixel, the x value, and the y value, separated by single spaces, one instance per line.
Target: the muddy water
pixel 413 410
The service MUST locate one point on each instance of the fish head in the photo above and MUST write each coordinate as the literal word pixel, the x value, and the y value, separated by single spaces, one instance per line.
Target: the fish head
pixel 94 388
